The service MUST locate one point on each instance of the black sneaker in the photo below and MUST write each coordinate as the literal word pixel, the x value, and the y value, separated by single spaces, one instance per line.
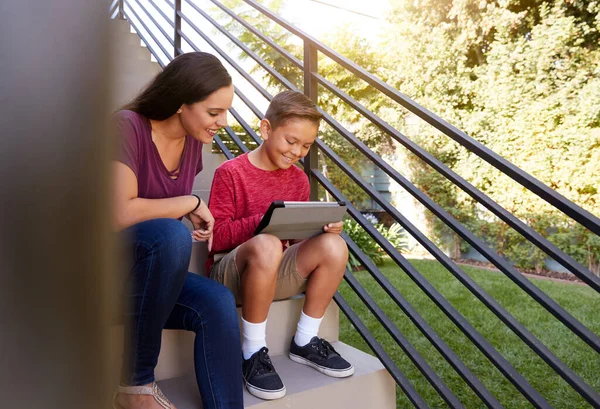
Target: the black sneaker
pixel 261 379
pixel 319 354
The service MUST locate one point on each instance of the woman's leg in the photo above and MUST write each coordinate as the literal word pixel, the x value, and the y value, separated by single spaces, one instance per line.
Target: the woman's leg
pixel 208 308
pixel 161 251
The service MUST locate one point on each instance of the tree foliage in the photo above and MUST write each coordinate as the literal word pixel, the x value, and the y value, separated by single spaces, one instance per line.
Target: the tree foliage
pixel 522 77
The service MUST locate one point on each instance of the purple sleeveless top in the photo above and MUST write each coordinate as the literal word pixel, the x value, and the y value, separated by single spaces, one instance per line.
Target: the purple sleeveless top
pixel 134 148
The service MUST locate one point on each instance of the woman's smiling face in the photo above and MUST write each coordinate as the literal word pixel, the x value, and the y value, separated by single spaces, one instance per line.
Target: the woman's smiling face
pixel 202 120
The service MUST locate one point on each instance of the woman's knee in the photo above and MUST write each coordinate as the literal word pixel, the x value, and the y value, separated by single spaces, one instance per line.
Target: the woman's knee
pixel 176 237
pixel 219 304
pixel 222 298
pixel 169 237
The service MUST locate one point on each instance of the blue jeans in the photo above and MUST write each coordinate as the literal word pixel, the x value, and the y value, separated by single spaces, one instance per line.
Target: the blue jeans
pixel 161 294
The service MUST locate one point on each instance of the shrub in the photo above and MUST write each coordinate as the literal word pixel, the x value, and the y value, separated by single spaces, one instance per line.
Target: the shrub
pixel 395 234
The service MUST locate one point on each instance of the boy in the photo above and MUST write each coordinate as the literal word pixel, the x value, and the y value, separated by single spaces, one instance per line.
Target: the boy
pixel 260 269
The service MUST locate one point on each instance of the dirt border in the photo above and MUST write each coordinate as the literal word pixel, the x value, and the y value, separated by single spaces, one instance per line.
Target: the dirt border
pixel 543 274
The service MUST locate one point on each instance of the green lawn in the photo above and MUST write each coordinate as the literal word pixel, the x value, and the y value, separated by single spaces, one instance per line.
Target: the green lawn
pixel 580 301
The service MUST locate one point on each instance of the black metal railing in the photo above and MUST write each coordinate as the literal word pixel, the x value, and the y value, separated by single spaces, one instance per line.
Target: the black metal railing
pixel 178 28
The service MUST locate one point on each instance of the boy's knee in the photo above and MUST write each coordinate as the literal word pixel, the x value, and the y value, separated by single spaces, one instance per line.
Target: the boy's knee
pixel 265 246
pixel 334 246
pixel 266 242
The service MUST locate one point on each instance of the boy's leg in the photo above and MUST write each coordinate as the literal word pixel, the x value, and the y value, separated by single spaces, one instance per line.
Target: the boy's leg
pixel 322 261
pixel 257 262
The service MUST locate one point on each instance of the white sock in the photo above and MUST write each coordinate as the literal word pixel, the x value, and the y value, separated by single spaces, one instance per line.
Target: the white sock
pixel 254 337
pixel 308 327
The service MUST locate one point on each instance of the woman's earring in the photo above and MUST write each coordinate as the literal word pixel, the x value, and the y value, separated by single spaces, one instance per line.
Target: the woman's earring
pixel 179 111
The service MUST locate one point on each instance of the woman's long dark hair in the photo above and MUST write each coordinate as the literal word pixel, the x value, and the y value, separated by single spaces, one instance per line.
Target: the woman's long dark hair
pixel 188 79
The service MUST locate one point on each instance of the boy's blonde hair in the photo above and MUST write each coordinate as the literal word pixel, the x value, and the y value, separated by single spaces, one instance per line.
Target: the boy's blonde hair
pixel 289 105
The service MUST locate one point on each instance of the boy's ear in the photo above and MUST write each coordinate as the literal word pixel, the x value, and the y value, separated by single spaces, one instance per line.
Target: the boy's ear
pixel 265 128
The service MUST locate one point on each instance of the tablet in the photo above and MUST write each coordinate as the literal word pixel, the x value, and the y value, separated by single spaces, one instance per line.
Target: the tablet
pixel 299 220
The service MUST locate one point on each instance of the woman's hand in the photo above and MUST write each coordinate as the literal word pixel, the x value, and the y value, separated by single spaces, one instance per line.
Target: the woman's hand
pixel 335 228
pixel 203 223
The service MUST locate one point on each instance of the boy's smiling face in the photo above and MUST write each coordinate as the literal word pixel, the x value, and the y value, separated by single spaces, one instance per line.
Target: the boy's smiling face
pixel 289 142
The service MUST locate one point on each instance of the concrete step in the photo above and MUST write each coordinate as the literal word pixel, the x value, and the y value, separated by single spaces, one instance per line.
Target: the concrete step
pixel 119 25
pixel 371 387
pixel 177 348
pixel 177 352
pixel 131 67
pixel 122 37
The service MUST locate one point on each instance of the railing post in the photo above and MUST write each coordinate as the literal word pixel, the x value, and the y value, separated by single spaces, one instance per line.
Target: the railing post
pixel 311 90
pixel 121 15
pixel 177 37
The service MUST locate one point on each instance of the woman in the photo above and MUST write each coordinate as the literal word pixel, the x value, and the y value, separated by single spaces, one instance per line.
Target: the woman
pixel 160 137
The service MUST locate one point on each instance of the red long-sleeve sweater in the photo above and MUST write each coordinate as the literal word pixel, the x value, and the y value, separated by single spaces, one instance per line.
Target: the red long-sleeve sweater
pixel 241 193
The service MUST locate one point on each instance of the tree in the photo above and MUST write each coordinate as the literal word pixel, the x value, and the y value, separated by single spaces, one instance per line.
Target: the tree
pixel 522 78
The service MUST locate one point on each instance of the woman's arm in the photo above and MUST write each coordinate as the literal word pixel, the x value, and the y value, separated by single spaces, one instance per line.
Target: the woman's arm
pixel 129 209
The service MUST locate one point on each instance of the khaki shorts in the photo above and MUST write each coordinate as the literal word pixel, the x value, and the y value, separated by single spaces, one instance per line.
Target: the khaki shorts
pixel 289 280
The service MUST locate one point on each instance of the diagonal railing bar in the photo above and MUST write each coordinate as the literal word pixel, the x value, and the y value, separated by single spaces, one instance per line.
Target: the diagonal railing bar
pixel 156 41
pixel 538 295
pixel 260 35
pixel 434 380
pixel 376 347
pixel 225 56
pixel 526 336
pixel 546 193
pixel 453 360
pixel 236 139
pixel 247 50
pixel 530 234
pixel 223 148
pixel 162 13
pixel 170 3
pixel 187 40
pixel 245 126
pixel 168 36
pixel 113 8
pixel 248 103
pixel 461 322
pixel 157 24
pixel 150 47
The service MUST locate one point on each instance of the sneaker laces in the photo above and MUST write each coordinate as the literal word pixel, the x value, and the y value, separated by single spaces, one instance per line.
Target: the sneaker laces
pixel 264 364
pixel 325 348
